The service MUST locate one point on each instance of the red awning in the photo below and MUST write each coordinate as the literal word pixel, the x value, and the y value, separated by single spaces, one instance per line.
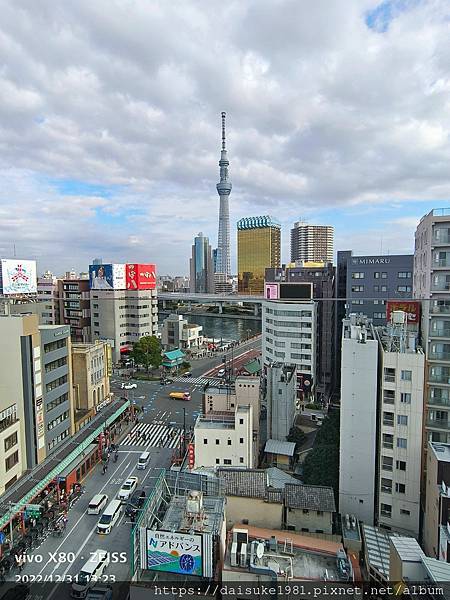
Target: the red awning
pixel 125 349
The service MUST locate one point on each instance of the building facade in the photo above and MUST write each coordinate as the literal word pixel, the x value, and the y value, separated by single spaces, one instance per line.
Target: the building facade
pixel 47 296
pixel 312 242
pixel 224 398
pixel 289 337
pixel 201 266
pixel 436 529
pixel 177 332
pixel 281 397
pixel 226 439
pixel 74 307
pixel 259 247
pixel 57 384
pixel 122 317
pixel 322 278
pixel 91 379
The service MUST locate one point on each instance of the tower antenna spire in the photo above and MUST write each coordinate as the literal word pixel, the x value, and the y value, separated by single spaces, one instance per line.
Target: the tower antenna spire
pixel 224 114
pixel 223 262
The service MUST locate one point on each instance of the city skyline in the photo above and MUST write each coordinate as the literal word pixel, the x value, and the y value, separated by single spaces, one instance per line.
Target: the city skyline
pixel 111 152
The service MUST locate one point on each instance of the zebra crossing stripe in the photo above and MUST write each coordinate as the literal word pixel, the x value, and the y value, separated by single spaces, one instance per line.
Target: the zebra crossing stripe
pixel 159 435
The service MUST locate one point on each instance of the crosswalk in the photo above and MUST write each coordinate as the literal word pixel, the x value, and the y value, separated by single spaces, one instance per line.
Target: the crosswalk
pixel 197 380
pixel 153 435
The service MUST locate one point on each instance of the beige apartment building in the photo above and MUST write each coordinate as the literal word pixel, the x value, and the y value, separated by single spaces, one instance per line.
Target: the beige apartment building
pixel 246 390
pixel 92 368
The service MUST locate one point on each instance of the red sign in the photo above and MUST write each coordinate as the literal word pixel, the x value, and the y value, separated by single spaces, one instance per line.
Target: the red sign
pixel 412 309
pixel 140 277
pixel 191 456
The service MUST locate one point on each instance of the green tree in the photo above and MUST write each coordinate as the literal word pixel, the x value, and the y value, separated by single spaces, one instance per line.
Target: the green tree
pixel 296 435
pixel 147 352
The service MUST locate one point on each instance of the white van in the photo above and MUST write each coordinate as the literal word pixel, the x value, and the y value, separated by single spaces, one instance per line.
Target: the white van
pixel 110 517
pixel 90 573
pixel 143 460
pixel 97 504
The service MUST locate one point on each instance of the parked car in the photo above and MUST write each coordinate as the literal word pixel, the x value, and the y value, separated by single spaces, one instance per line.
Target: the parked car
pixel 127 488
pixel 221 372
pixel 129 386
pixel 188 374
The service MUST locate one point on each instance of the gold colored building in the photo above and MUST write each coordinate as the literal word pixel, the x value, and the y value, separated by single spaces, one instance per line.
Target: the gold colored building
pixel 259 247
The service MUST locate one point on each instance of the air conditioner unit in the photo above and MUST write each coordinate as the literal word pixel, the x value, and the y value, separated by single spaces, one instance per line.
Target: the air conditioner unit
pixel 243 556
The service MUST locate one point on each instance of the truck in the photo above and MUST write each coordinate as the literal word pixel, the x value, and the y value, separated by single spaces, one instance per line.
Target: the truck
pixel 180 395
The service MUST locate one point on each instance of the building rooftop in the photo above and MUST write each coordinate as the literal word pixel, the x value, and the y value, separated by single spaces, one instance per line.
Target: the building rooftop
pixel 441 451
pixel 307 558
pixel 174 354
pixel 252 367
pixel 278 447
pixel 257 222
pixel 408 549
pixel 311 497
pixel 247 483
pixel 276 478
pixel 209 520
pixel 437 570
pixel 378 552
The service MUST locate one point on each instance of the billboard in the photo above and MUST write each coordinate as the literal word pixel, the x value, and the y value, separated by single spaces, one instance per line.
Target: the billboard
pixel 18 276
pixel 174 552
pixel 412 309
pixel 296 291
pixel 271 291
pixel 140 276
pixel 107 277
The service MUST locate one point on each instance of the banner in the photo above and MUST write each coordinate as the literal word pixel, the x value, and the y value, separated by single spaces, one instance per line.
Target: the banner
pixel 411 308
pixel 18 276
pixel 174 552
pixel 140 276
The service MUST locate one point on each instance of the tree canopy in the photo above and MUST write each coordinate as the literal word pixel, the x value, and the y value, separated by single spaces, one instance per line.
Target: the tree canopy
pixel 147 352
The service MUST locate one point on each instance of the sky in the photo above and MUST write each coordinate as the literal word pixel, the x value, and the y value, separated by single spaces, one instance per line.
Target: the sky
pixel 338 112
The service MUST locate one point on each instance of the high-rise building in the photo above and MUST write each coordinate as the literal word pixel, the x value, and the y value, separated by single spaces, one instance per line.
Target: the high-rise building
pixel 436 534
pixel 281 397
pixel 322 277
pixel 74 307
pixel 201 266
pixel 259 247
pixel 432 285
pixel 47 295
pixel 312 242
pixel 223 259
pixel 381 423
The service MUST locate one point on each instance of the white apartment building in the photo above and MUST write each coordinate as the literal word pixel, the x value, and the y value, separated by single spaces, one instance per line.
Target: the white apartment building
pixel 312 242
pixel 289 337
pixel 177 332
pixel 47 296
pixel 400 437
pixel 432 285
pixel 225 398
pixel 226 439
pixel 121 317
pixel 358 419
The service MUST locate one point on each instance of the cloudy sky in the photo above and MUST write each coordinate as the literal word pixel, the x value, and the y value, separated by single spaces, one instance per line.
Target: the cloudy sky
pixel 338 112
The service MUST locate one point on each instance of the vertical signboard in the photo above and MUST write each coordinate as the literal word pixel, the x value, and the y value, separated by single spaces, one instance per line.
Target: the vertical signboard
pixel 191 455
pixel 271 291
pixel 140 276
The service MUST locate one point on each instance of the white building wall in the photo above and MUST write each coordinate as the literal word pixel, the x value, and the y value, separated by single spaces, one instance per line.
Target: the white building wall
pixel 407 406
pixel 358 425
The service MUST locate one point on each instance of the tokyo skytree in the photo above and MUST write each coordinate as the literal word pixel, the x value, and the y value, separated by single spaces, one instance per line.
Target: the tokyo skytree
pixel 223 264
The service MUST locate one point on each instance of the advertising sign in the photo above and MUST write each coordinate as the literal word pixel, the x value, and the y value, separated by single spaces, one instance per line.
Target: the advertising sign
pixel 107 277
pixel 140 276
pixel 412 309
pixel 18 276
pixel 174 552
pixel 271 291
pixel 296 291
pixel 191 455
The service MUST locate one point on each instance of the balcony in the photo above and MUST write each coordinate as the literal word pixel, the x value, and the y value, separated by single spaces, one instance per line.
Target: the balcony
pixel 440 309
pixel 438 423
pixel 440 333
pixel 438 401
pixel 440 287
pixel 436 378
pixel 439 356
pixel 7 422
pixel 441 262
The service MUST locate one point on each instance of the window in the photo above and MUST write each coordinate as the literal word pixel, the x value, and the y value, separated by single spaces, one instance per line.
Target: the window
pixel 12 460
pixel 400 488
pixel 305 511
pixel 386 510
pixel 357 301
pixel 400 465
pixel 389 375
pixel 386 485
pixel 217 442
pixel 54 384
pixel 280 344
pixel 241 421
pixel 406 375
pixel 280 354
pixel 402 443
pixel 386 463
pixel 403 288
pixel 57 402
pixel 227 461
pixel 403 511
pixel 205 441
pixel 241 440
pixel 376 275
pixel 357 275
pixel 54 346
pixel 388 419
pixel 55 364
pixel 58 420
pixel 388 396
pixel 379 315
pixel 357 288
pixel 10 441
pixel 404 275
pixel 388 441
pixel 241 459
pixel 402 420
pixel 217 461
pixel 405 398
pixel 229 442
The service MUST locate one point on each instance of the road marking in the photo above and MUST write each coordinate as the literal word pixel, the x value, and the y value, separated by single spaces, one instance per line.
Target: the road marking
pixel 126 467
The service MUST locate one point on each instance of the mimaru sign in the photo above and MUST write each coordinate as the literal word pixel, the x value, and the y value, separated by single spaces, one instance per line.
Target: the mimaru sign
pixel 382 260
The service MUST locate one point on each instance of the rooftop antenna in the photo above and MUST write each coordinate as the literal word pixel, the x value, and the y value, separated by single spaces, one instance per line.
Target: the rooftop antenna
pixel 14 250
pixel 224 114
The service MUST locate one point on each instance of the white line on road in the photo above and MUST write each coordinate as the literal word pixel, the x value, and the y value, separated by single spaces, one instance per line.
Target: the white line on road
pixel 126 467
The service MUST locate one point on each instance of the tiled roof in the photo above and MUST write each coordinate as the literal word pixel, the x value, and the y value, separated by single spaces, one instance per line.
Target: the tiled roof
pixel 247 483
pixel 312 497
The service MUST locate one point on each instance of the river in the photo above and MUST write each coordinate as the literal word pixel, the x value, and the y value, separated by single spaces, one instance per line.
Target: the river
pixel 222 327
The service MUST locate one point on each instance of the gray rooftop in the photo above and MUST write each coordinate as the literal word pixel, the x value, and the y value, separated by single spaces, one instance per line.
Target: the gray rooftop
pixel 408 549
pixel 247 483
pixel 176 518
pixel 278 447
pixel 276 478
pixel 378 551
pixel 312 497
pixel 437 570
pixel 441 451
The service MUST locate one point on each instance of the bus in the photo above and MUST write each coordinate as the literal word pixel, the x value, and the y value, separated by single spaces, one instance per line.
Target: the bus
pixel 180 395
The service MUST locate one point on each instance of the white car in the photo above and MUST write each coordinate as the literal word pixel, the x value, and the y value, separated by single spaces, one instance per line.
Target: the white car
pixel 221 372
pixel 127 489
pixel 129 386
